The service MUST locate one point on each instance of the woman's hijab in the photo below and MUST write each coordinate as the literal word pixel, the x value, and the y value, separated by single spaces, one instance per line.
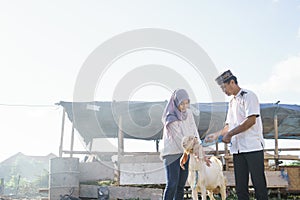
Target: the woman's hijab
pixel 171 112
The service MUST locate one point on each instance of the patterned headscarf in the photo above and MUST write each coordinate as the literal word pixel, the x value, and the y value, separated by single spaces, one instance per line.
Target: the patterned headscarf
pixel 171 112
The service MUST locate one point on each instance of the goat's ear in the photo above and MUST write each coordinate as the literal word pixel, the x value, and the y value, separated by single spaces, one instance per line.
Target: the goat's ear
pixel 184 143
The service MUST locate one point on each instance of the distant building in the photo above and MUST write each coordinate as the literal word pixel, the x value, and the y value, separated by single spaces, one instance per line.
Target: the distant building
pixel 29 168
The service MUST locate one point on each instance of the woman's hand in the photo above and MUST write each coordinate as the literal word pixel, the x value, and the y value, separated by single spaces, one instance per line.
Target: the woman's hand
pixel 183 160
pixel 207 160
pixel 211 138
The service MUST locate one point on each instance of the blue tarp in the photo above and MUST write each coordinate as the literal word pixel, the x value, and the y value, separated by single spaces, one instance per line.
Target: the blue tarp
pixel 142 120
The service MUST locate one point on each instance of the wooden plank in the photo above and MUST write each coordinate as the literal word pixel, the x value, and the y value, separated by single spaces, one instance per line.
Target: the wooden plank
pixel 230 166
pixel 43 190
pixel 283 157
pixel 293 173
pixel 110 153
pixel 274 179
pixel 222 152
pixel 284 149
pixel 229 175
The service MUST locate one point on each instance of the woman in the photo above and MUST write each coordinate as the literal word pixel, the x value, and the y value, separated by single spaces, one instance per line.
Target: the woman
pixel 178 122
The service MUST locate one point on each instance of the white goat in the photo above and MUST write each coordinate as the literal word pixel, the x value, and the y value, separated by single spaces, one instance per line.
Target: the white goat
pixel 201 177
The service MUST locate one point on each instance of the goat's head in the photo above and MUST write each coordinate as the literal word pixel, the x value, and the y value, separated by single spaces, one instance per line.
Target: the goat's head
pixel 188 143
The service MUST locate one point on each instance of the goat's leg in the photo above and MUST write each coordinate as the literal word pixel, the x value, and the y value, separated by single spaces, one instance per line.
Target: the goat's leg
pixel 211 195
pixel 203 193
pixel 194 194
pixel 223 192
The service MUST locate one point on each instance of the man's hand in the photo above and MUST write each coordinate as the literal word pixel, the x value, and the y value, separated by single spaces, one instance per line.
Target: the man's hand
pixel 183 160
pixel 227 138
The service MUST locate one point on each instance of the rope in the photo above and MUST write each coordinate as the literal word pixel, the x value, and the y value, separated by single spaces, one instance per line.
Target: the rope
pixel 196 179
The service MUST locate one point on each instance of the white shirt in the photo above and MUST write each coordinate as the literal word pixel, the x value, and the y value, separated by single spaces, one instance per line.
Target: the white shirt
pixel 172 136
pixel 243 105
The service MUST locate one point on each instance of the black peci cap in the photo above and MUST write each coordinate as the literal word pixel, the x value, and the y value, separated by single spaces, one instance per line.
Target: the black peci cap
pixel 224 77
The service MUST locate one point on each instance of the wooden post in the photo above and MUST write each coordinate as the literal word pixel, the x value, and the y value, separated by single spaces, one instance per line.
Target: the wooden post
pixel 72 141
pixel 120 148
pixel 276 136
pixel 120 138
pixel 226 156
pixel 226 149
pixel 91 145
pixel 217 148
pixel 276 141
pixel 62 133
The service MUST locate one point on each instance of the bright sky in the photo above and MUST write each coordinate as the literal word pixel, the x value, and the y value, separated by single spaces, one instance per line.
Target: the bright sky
pixel 44 44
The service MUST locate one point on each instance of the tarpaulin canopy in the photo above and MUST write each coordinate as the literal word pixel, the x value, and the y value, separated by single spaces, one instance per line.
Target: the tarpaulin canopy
pixel 142 120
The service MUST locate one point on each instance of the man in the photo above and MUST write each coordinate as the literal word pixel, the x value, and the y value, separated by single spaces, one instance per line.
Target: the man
pixel 243 129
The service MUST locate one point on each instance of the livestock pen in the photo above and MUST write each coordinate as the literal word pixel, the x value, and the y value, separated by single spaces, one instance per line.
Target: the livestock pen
pixel 140 175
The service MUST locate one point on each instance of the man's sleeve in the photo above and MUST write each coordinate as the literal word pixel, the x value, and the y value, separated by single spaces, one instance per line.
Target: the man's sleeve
pixel 252 105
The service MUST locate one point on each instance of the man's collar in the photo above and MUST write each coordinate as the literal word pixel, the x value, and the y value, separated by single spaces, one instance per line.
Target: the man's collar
pixel 240 93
